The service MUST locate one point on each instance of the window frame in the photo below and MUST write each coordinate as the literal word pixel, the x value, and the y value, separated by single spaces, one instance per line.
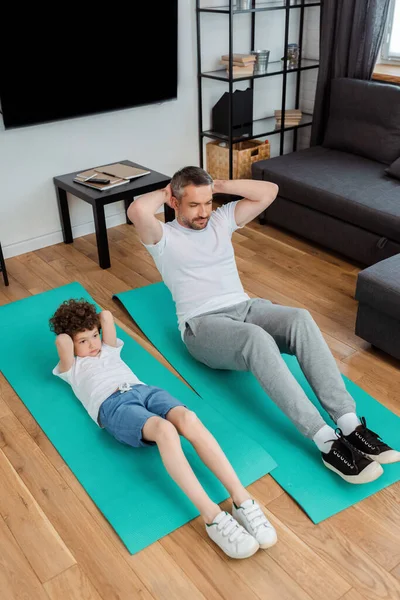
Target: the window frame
pixel 385 56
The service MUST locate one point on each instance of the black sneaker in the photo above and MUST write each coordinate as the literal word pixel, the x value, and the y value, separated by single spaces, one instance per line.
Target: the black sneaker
pixel 369 442
pixel 350 464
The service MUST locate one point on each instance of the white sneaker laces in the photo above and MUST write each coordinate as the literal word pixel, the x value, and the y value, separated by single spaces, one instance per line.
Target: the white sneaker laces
pixel 230 528
pixel 255 517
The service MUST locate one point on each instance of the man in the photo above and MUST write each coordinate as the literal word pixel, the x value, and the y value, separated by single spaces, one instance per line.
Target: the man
pixel 225 329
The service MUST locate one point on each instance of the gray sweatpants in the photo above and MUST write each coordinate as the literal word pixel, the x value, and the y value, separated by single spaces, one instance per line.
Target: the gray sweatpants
pixel 250 336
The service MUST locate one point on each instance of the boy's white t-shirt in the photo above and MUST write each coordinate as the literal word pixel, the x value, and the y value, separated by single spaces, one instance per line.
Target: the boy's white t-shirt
pixel 95 378
pixel 198 266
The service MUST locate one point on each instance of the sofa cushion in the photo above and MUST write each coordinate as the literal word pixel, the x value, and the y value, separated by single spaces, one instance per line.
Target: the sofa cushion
pixel 394 169
pixel 348 187
pixel 364 119
pixel 379 286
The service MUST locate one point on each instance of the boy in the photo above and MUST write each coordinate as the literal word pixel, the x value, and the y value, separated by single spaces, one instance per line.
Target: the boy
pixel 141 415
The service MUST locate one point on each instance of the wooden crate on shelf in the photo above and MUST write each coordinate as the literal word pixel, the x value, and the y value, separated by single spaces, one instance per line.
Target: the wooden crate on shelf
pixel 244 155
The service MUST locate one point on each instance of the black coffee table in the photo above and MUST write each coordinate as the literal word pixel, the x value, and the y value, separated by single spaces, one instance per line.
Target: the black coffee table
pixel 136 187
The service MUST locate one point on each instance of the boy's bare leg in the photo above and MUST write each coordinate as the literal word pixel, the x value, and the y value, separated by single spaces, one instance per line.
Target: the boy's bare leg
pixel 167 439
pixel 207 447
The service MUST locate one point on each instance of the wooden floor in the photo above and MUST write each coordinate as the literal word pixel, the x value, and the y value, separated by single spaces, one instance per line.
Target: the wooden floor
pixel 54 543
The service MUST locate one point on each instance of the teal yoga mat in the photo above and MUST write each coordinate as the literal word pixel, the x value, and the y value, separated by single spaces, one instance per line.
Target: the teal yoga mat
pixel 240 398
pixel 130 486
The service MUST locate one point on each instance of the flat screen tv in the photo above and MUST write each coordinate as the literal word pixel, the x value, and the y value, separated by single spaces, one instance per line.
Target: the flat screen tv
pixel 86 60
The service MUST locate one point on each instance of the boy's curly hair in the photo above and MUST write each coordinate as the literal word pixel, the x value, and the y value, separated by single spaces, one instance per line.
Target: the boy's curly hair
pixel 74 316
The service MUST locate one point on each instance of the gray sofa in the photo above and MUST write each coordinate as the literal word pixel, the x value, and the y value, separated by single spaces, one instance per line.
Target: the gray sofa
pixel 345 195
pixel 339 194
pixel 378 315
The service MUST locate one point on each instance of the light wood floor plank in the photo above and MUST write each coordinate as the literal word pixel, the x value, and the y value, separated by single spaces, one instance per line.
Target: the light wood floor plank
pixel 39 541
pixel 111 576
pixel 71 585
pixel 344 555
pixel 17 580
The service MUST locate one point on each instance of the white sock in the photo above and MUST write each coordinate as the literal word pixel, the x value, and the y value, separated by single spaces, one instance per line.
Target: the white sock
pixel 348 422
pixel 324 438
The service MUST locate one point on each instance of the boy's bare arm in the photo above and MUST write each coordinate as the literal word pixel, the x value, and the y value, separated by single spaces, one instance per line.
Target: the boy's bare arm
pixel 65 349
pixel 108 328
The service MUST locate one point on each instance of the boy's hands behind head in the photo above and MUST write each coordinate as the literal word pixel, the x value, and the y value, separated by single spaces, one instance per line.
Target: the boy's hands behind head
pixel 65 349
pixel 63 340
pixel 109 332
pixel 106 316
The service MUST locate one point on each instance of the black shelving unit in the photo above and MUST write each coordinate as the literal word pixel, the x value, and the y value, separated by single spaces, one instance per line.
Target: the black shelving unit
pixel 266 126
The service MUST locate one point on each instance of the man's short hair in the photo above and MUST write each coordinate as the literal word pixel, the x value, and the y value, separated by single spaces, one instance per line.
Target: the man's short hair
pixel 189 176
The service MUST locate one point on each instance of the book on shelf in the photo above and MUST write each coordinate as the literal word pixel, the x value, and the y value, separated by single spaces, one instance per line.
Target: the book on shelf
pixel 109 176
pixel 292 112
pixel 287 124
pixel 289 121
pixel 241 71
pixel 241 59
pixel 289 118
pixel 236 63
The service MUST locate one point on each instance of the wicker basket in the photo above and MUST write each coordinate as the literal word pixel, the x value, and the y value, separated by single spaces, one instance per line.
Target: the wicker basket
pixel 244 155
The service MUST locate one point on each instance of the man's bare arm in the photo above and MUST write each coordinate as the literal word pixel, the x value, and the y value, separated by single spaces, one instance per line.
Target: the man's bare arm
pixel 258 195
pixel 142 214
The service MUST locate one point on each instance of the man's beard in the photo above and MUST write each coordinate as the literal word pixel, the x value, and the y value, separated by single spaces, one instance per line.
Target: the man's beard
pixel 195 223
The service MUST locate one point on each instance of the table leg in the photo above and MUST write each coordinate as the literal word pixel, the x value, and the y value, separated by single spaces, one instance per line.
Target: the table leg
pixel 101 236
pixel 3 267
pixel 169 213
pixel 128 202
pixel 64 215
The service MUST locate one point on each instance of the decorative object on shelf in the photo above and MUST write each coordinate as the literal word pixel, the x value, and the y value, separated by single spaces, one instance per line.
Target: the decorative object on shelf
pixel 242 113
pixel 244 155
pixel 292 117
pixel 292 56
pixel 242 64
pixel 261 63
pixel 243 4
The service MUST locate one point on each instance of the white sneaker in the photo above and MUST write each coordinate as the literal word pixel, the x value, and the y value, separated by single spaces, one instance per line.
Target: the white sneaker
pixel 231 537
pixel 250 515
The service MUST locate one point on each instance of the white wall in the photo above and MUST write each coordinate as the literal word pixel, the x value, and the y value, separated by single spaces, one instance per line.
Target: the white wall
pixel 162 137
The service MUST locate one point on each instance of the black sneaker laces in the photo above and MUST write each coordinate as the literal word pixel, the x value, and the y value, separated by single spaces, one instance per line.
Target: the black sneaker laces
pixel 353 452
pixel 369 437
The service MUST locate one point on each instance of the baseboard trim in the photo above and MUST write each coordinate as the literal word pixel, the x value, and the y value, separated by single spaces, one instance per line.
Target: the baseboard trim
pixel 56 237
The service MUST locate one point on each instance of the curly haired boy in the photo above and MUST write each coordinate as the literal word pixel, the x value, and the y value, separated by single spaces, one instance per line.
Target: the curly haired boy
pixel 138 414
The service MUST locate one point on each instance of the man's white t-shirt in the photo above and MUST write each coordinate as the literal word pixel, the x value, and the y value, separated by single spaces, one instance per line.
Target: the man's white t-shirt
pixel 95 378
pixel 198 266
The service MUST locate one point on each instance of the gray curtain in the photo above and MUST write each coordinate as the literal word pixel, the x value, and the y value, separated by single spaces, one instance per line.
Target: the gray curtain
pixel 350 37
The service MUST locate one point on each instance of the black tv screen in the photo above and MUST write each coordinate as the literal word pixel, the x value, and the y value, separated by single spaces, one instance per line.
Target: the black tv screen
pixel 86 61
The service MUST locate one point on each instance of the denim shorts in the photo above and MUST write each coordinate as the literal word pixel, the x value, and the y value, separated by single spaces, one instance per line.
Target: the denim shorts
pixel 124 414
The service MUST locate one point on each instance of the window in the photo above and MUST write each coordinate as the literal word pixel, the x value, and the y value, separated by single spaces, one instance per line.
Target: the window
pixel 391 37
